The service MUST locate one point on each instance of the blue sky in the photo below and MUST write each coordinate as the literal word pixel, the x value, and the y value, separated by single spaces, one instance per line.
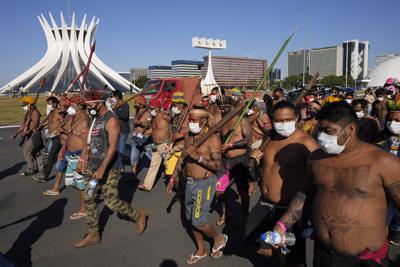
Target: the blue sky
pixel 142 33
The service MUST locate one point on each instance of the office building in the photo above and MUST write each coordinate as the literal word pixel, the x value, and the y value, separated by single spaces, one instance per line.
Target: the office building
pixel 126 75
pixel 138 72
pixel 326 61
pixel 156 72
pixel 295 62
pixel 186 68
pixel 355 58
pixel 275 74
pixel 236 71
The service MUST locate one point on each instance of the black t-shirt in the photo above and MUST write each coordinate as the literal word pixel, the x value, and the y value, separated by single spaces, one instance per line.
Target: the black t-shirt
pixel 123 115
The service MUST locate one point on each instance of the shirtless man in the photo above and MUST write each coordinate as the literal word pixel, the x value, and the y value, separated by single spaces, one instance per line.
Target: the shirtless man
pixel 176 146
pixel 69 156
pixel 235 162
pixel 31 122
pixel 277 95
pixel 368 126
pixel 201 165
pixel 214 107
pixel 54 118
pixel 160 136
pixel 141 136
pixel 347 184
pixel 379 107
pixel 261 128
pixel 283 173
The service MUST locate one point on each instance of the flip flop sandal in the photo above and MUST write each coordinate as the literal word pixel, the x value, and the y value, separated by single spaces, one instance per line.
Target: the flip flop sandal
pixel 195 258
pixel 219 249
pixel 50 193
pixel 77 216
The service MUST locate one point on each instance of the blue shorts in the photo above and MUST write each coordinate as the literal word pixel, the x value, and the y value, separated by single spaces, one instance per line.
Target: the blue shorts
pixel 68 166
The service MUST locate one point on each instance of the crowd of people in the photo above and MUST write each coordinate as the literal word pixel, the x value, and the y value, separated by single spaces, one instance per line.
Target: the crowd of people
pixel 327 167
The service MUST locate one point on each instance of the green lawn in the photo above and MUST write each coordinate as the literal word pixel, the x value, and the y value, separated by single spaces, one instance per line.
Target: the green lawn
pixel 11 111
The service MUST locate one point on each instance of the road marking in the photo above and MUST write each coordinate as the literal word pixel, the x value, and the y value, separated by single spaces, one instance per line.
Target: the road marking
pixel 9 126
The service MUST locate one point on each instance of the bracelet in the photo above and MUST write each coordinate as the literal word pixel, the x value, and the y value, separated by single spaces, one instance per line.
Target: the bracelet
pixel 82 160
pixel 231 145
pixel 281 225
pixel 200 160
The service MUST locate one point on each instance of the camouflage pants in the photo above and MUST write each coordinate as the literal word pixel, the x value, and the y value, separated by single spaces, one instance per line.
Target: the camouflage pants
pixel 109 187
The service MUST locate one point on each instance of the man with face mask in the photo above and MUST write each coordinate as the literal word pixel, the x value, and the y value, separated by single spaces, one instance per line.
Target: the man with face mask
pixel 202 164
pixel 214 106
pixel 160 135
pixel 379 107
pixel 235 160
pixel 178 110
pixel 76 131
pixel 31 122
pixel 283 173
pixel 236 95
pixel 360 106
pixel 141 136
pixel 261 127
pixel 347 184
pixel 54 118
pixel 99 162
pixel 307 110
pixel 121 110
pixel 368 127
pixel 392 145
pixel 277 95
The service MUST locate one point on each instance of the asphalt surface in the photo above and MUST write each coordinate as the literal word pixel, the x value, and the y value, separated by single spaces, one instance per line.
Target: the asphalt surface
pixel 36 230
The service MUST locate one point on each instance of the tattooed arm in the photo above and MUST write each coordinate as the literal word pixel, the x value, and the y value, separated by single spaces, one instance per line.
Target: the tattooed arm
pixel 390 173
pixel 297 205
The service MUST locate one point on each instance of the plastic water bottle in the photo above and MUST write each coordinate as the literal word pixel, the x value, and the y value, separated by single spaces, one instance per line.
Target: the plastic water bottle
pixel 92 186
pixel 274 238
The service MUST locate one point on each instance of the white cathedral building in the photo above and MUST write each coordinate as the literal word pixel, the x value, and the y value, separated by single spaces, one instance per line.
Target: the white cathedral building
pixel 68 49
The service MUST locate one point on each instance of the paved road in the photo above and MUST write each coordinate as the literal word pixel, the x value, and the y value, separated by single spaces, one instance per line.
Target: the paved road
pixel 35 229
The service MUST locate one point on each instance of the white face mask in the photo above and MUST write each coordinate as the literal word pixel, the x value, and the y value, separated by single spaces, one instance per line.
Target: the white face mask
pixel 26 108
pixel 213 98
pixel 250 112
pixel 71 111
pixel 235 98
pixel 380 98
pixel 329 143
pixel 194 127
pixel 49 108
pixel 176 110
pixel 110 103
pixel 360 114
pixel 153 112
pixel 285 128
pixel 348 101
pixel 393 126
